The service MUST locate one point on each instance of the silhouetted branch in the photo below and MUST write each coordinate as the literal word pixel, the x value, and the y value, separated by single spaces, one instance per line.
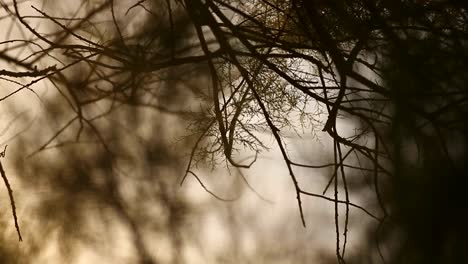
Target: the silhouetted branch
pixel 12 200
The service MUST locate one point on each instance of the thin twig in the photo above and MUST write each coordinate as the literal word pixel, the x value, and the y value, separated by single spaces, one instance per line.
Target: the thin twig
pixel 12 200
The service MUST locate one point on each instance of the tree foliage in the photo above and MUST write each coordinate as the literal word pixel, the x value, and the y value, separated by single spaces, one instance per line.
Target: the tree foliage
pixel 235 71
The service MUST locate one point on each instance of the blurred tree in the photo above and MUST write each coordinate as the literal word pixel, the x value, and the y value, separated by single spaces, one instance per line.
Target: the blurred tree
pixel 234 71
